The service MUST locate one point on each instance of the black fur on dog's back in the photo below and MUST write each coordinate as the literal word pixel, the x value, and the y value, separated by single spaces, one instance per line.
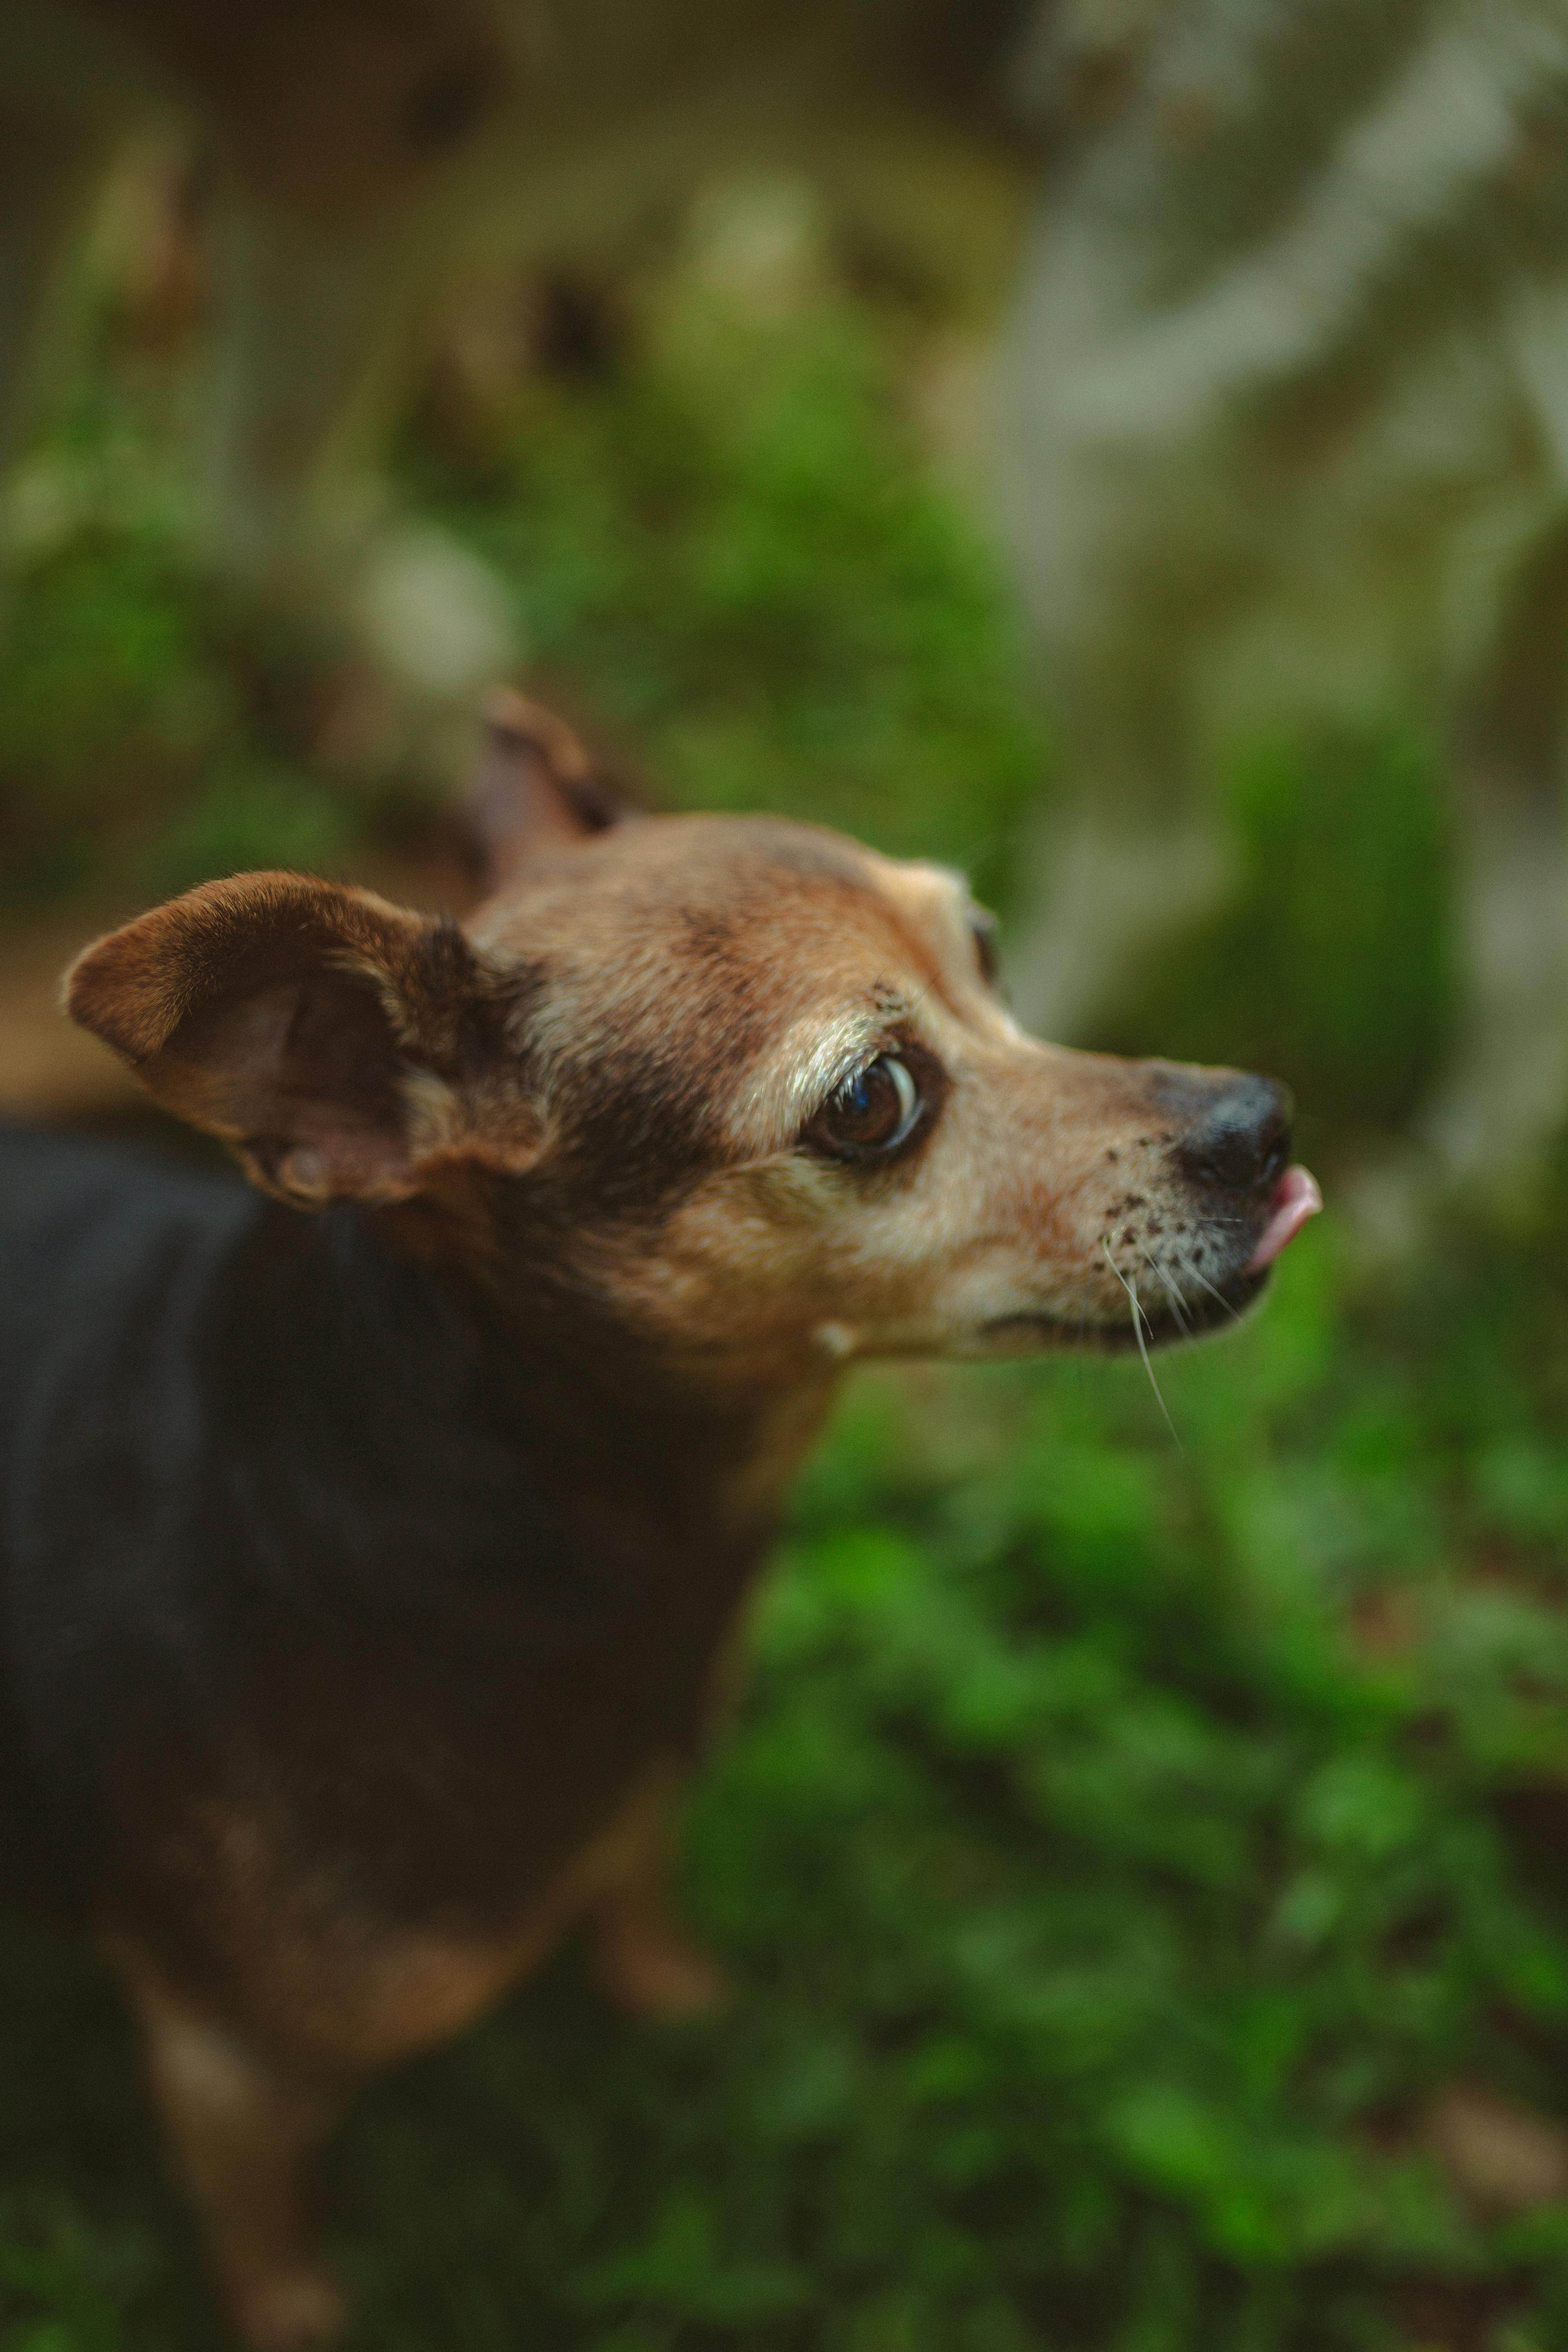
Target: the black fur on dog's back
pixel 87 1239
pixel 276 1544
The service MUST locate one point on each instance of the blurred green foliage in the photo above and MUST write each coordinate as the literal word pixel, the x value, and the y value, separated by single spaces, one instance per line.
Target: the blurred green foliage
pixel 732 557
pixel 1121 1847
pixel 1332 959
pixel 727 554
pixel 100 676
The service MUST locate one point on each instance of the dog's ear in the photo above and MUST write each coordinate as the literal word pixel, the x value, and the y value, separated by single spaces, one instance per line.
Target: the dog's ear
pixel 535 790
pixel 337 1042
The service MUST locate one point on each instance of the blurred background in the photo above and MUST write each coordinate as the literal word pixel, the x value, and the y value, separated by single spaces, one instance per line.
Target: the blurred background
pixel 1119 447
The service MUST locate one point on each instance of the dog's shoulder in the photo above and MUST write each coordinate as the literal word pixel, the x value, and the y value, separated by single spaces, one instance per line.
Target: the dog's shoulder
pixel 90 1234
pixel 93 1239
pixel 59 1188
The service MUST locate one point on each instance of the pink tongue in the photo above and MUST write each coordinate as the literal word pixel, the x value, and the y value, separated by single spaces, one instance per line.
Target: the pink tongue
pixel 1296 1199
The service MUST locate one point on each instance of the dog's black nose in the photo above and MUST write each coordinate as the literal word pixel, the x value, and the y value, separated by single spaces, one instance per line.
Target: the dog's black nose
pixel 1241 1140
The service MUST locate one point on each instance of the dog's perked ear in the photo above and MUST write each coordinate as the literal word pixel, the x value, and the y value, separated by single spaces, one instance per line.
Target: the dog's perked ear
pixel 339 1043
pixel 535 790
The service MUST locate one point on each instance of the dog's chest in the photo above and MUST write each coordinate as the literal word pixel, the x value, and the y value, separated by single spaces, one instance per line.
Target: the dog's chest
pixel 382 1837
pixel 315 1973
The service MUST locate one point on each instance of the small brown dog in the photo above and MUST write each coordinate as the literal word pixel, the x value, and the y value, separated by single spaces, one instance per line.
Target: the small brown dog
pixel 371 1570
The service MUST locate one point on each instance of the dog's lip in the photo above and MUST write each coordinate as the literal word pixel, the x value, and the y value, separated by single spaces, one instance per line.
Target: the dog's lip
pixel 1296 1199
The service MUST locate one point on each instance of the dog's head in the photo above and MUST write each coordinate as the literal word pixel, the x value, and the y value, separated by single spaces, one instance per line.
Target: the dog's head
pixel 746 1085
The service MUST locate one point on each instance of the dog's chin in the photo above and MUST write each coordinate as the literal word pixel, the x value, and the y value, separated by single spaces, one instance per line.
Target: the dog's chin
pixel 1034 1330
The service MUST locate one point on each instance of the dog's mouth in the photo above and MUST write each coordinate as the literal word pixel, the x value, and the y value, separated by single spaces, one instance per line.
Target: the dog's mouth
pixel 1156 1321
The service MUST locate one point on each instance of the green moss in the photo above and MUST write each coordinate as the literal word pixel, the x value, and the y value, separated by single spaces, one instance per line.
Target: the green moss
pixel 733 556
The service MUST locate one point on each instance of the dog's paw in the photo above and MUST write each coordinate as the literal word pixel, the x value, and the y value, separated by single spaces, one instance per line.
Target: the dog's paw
pixel 287 2310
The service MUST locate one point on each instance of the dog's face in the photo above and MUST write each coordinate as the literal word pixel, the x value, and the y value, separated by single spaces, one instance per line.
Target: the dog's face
pixel 776 1074
pixel 749 1085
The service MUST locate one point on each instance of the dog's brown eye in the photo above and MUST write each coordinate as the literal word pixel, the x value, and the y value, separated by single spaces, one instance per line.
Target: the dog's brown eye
pixel 870 1114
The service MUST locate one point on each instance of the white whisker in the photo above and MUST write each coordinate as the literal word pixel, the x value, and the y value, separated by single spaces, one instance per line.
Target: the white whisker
pixel 1174 1295
pixel 1138 1321
pixel 1191 1270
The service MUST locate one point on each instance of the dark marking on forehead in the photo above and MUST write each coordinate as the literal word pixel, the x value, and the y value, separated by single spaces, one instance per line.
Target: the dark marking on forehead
pixel 643 1111
pixel 711 935
pixel 651 1125
pixel 707 949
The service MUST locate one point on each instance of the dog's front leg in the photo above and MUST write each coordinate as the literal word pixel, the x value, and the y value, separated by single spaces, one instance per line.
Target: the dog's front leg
pixel 246 2132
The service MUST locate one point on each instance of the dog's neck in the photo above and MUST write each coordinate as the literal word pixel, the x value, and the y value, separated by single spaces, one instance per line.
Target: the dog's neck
pixel 642 1451
pixel 702 1448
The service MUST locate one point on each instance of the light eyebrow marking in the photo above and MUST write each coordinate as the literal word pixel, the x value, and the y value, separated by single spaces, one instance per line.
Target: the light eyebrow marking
pixel 802 1071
